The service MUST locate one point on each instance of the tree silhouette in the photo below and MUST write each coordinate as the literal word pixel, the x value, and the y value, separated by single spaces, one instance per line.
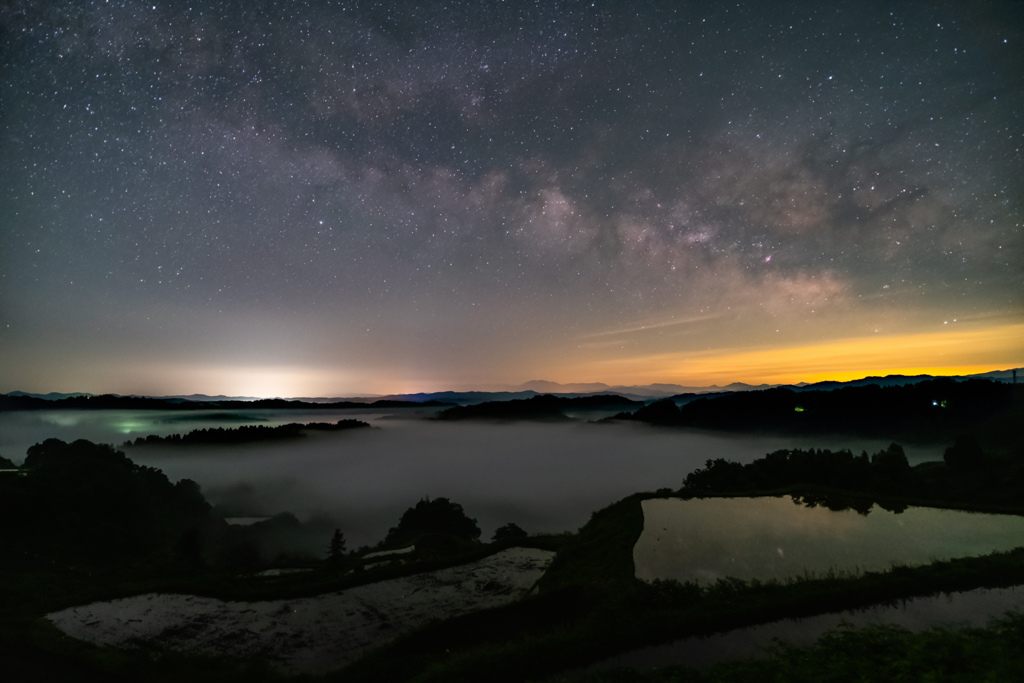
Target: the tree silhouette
pixel 965 454
pixel 892 471
pixel 438 516
pixel 337 546
pixel 92 503
pixel 509 532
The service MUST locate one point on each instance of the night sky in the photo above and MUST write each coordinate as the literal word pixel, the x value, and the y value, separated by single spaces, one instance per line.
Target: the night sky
pixel 331 199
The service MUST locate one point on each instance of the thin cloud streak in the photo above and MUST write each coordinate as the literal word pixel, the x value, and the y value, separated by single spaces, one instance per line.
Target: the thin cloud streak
pixel 647 327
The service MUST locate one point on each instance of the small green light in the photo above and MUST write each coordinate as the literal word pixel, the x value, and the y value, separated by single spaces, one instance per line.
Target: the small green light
pixel 129 426
pixel 798 409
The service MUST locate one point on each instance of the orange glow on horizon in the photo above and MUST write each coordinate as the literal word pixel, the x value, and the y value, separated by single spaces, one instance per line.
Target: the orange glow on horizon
pixel 951 351
pixel 959 352
pixel 937 372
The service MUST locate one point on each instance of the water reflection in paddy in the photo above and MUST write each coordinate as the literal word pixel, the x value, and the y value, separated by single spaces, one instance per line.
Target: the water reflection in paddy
pixel 773 538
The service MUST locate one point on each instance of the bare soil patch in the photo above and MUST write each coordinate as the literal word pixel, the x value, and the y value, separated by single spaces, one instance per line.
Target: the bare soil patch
pixel 307 635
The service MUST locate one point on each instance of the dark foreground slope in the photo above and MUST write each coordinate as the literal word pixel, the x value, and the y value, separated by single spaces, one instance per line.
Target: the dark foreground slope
pixel 588 606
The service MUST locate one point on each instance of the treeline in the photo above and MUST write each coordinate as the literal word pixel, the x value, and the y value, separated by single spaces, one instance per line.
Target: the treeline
pixel 935 410
pixel 886 471
pixel 967 475
pixel 545 407
pixel 82 503
pixel 245 433
pixel 77 511
pixel 81 507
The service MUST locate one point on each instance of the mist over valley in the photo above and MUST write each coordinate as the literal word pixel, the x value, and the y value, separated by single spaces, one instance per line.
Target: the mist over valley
pixel 544 477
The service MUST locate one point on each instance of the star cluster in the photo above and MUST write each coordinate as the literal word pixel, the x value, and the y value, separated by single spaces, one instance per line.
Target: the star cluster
pixel 374 197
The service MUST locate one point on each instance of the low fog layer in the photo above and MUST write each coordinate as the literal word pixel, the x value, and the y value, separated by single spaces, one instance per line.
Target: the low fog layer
pixel 543 477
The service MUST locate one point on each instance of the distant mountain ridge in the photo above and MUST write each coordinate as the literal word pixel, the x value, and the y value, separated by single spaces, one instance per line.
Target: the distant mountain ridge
pixel 52 396
pixel 657 390
pixel 900 380
pixel 540 387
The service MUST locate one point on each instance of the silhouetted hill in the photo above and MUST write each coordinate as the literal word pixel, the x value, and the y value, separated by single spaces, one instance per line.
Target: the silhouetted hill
pixel 545 387
pixel 887 381
pixel 392 403
pixel 86 512
pixel 203 398
pixel 52 396
pixel 462 397
pixel 545 407
pixel 246 433
pixel 103 402
pixel 641 392
pixel 932 410
pixel 86 502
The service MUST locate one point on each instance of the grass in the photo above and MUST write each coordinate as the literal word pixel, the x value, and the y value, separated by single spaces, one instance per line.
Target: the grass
pixel 35 650
pixel 872 654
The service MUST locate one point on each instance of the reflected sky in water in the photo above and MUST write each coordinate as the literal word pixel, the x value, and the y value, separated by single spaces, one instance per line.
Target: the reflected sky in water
pixel 772 538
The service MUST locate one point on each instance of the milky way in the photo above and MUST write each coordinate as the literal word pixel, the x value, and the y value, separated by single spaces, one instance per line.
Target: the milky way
pixel 326 198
